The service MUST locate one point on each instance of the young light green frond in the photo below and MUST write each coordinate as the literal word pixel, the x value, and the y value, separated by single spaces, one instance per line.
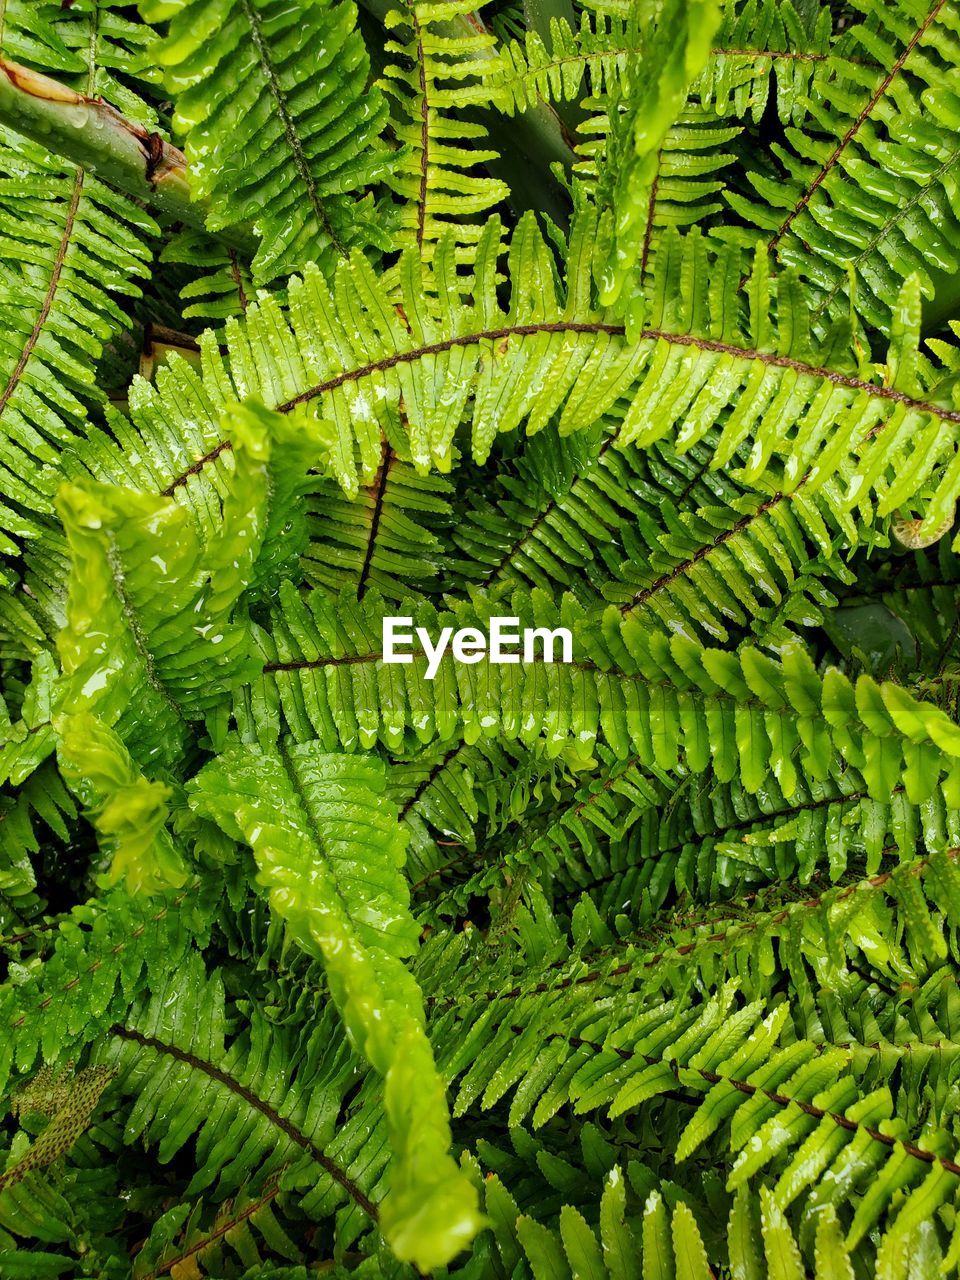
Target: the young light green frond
pixel 281 128
pixel 139 565
pixel 137 572
pixel 128 812
pixel 330 853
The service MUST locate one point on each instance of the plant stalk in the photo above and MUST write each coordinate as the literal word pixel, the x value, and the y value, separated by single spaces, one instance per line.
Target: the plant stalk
pixel 94 135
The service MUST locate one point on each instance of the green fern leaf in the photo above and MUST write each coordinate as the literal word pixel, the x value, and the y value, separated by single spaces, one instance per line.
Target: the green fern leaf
pixel 335 839
pixel 297 80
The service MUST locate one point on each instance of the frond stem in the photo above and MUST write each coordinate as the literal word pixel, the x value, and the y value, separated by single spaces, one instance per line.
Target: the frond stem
pixel 34 337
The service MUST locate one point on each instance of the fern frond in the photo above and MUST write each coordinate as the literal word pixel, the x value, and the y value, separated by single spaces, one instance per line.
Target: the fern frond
pixel 295 1139
pixel 41 808
pixel 573 64
pixel 104 956
pixel 332 865
pixel 28 741
pixel 663 700
pixel 128 811
pixel 447 61
pixel 33 34
pixel 289 86
pixel 181 1237
pixel 657 534
pixel 69 247
pixel 579 1045
pixel 121 46
pixel 705 363
pixel 72 252
pixel 442 790
pixel 715 839
pixel 887 126
pixel 562 830
pixel 686 175
pixel 663 1236
pixel 764 53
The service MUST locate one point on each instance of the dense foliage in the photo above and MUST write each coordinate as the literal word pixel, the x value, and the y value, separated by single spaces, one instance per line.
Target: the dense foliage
pixel 631 316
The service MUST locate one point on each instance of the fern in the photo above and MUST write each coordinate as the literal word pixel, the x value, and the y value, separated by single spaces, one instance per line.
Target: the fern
pixel 447 60
pixel 260 71
pixel 631 318
pixel 864 129
pixel 71 250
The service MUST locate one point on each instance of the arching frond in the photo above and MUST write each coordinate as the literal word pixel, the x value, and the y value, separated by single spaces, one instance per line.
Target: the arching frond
pixel 682 373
